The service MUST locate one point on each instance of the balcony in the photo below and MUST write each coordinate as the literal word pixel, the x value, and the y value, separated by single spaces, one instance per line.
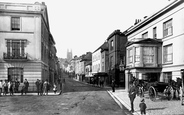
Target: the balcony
pixel 15 57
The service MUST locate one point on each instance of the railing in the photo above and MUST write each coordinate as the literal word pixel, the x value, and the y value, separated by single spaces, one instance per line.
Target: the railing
pixel 10 56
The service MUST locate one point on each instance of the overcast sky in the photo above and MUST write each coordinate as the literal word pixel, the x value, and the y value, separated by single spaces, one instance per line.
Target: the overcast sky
pixel 84 25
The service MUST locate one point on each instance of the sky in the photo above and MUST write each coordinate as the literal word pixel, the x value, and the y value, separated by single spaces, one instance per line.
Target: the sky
pixel 84 25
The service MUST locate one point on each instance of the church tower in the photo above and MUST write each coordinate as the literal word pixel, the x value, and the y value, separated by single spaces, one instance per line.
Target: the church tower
pixel 69 55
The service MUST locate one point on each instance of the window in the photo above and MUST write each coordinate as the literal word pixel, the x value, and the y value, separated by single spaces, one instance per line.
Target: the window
pixel 15 23
pixel 167 28
pixel 16 48
pixel 168 54
pixel 148 54
pixel 130 55
pixel 145 35
pixel 155 32
pixel 112 44
pixel 15 73
pixel 137 54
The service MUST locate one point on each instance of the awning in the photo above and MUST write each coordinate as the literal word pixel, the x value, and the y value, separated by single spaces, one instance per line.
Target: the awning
pixel 104 74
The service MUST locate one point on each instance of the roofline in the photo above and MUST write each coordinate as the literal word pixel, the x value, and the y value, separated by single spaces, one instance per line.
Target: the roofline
pixel 154 16
pixel 115 32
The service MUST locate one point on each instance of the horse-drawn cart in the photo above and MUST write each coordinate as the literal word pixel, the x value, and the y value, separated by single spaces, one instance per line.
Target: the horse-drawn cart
pixel 160 89
pixel 155 89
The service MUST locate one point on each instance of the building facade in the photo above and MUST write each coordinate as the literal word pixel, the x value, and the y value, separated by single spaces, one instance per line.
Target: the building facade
pixel 117 53
pixel 24 38
pixel 165 61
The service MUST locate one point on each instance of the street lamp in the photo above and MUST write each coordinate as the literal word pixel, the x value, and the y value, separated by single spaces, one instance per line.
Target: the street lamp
pixel 121 66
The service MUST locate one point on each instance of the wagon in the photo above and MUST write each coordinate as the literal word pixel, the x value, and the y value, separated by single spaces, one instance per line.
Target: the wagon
pixel 160 89
pixel 154 89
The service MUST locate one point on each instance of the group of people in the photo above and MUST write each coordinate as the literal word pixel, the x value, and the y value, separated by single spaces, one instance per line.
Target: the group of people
pixel 42 87
pixel 11 87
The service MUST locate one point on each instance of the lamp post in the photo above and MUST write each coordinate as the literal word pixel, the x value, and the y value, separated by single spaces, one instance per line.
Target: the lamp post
pixel 121 66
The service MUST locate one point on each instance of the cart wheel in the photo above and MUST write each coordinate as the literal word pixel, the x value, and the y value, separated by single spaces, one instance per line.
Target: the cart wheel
pixel 152 93
pixel 170 93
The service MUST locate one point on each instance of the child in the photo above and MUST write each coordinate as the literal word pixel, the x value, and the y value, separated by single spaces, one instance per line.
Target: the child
pixel 55 88
pixel 143 107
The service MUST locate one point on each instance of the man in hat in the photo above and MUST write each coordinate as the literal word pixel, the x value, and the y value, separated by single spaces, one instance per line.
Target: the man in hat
pixel 132 94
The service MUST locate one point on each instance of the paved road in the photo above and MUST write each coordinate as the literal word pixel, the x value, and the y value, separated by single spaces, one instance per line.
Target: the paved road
pixel 78 99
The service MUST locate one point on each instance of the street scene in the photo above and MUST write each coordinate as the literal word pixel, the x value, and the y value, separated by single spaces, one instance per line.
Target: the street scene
pixel 77 99
pixel 95 57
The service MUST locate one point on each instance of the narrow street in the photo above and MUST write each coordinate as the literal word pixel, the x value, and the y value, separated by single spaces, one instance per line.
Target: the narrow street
pixel 78 99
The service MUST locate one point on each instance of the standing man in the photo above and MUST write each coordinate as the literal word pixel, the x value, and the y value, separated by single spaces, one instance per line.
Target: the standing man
pixel 132 94
pixel 37 83
pixel 113 85
pixel 26 85
pixel 17 83
pixel 62 82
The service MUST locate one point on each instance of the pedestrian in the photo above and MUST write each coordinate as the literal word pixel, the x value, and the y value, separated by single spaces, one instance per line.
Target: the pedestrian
pixel 1 87
pixel 62 82
pixel 46 87
pixel 5 87
pixel 9 83
pixel 54 88
pixel 41 87
pixel 17 83
pixel 132 95
pixel 23 88
pixel 11 88
pixel 142 107
pixel 37 83
pixel 26 85
pixel 113 85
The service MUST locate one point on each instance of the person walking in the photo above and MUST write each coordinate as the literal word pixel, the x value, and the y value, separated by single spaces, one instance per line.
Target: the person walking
pixel 11 88
pixel 26 85
pixel 5 87
pixel 45 87
pixel 37 83
pixel 132 95
pixel 142 107
pixel 41 87
pixel 113 85
pixel 17 83
pixel 1 87
pixel 62 83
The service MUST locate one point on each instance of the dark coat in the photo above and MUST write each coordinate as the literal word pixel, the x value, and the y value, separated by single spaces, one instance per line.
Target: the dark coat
pixel 142 106
pixel 132 92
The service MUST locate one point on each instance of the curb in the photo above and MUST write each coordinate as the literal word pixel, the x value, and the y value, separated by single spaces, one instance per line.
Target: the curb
pixel 121 103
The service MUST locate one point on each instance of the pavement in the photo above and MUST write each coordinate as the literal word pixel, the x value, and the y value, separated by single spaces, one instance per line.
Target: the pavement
pixel 160 106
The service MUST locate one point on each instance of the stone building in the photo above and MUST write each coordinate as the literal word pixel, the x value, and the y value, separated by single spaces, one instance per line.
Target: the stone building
pixel 155 45
pixel 24 41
